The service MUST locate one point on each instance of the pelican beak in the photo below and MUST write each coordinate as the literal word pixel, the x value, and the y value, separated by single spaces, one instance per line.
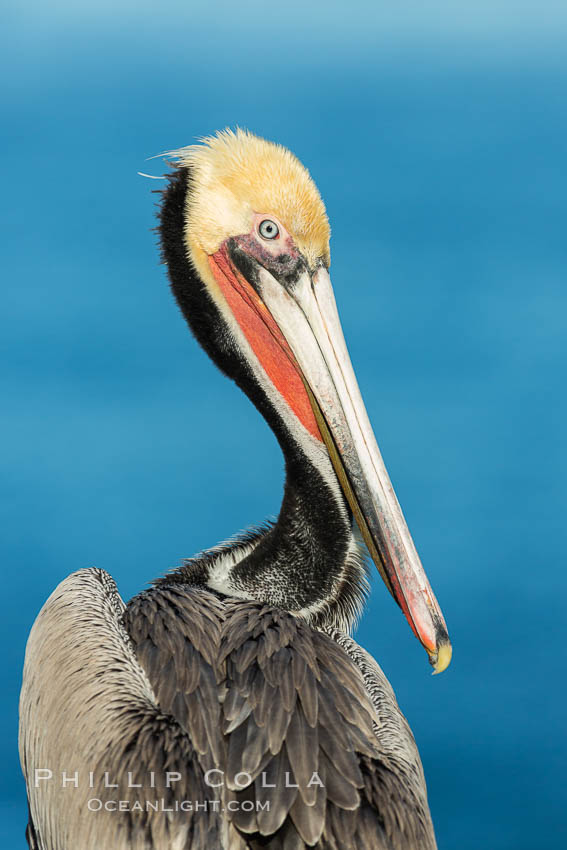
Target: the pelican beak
pixel 303 311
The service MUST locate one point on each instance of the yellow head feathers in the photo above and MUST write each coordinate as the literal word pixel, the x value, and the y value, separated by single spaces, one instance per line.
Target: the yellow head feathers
pixel 235 175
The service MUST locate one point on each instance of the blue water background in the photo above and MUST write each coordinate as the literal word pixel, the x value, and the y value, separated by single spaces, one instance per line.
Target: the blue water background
pixel 441 153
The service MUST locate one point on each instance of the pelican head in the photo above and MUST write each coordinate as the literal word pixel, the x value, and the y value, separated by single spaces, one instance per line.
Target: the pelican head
pixel 256 236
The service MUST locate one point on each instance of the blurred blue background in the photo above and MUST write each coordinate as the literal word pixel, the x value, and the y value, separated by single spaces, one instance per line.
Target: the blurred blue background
pixel 437 134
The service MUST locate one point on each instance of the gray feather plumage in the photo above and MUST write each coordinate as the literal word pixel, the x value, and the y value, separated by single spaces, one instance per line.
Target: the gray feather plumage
pixel 184 681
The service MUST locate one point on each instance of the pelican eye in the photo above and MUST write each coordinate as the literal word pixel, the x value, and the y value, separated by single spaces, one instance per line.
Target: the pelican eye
pixel 268 229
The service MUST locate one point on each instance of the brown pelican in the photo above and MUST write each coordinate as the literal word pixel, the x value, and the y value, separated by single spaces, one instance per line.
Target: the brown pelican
pixel 227 706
